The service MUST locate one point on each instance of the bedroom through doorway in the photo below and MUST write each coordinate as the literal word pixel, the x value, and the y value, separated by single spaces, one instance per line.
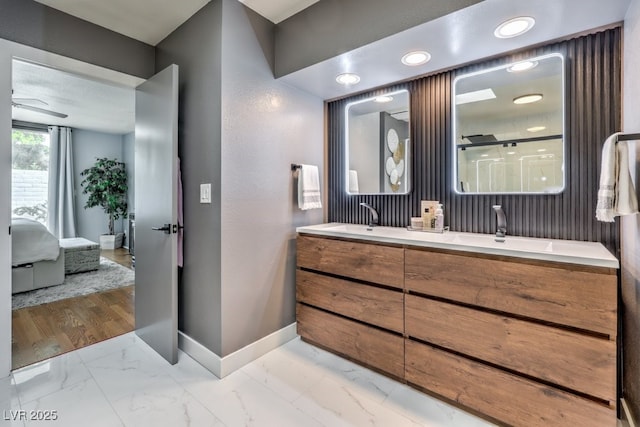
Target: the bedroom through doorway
pixel 76 292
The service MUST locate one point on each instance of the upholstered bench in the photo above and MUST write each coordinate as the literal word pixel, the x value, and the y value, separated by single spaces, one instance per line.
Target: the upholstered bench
pixel 80 255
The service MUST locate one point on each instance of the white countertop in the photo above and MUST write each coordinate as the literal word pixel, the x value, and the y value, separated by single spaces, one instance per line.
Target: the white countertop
pixel 566 251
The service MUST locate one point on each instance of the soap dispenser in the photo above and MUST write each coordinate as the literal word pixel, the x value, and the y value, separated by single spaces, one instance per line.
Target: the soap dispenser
pixel 439 219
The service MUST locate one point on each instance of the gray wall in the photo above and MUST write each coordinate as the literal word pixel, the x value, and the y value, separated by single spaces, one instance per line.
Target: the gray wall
pixel 33 24
pixel 343 25
pixel 196 47
pixel 266 126
pixel 239 129
pixel 630 231
pixel 87 146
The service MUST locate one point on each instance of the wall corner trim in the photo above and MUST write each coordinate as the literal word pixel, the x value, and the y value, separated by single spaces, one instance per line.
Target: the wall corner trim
pixel 223 366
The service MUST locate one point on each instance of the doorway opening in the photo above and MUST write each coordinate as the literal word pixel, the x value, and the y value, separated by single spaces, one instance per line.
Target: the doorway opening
pixel 84 293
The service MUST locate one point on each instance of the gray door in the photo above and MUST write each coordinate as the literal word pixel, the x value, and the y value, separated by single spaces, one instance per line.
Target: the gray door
pixel 156 209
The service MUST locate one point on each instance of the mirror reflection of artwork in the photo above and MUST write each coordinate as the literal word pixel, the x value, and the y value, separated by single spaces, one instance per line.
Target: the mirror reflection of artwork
pixel 508 126
pixel 377 144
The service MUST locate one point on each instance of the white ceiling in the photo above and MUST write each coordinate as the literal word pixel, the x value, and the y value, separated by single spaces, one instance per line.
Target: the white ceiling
pixel 462 37
pixel 278 10
pixel 90 104
pixel 458 38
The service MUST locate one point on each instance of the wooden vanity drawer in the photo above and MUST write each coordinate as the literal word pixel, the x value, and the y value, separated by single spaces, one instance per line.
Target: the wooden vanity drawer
pixel 369 262
pixel 374 347
pixel 376 306
pixel 565 295
pixel 505 397
pixel 575 361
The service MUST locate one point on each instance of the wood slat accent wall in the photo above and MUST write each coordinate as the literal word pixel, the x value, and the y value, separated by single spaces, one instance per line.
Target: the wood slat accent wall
pixel 593 112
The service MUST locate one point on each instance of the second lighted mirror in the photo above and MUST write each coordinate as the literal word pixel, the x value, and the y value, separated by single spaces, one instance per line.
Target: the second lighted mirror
pixel 509 128
pixel 377 145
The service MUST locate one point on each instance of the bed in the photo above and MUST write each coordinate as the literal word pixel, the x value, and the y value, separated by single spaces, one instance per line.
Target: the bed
pixel 37 260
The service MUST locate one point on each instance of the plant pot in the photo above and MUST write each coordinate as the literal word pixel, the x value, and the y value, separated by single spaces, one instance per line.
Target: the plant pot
pixel 111 241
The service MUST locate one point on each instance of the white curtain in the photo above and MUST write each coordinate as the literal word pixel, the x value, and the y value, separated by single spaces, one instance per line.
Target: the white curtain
pixel 61 204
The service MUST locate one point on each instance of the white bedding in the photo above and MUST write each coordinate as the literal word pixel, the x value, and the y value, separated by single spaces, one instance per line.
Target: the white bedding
pixel 32 242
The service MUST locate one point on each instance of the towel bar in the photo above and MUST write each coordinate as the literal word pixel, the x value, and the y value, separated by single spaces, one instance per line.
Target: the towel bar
pixel 629 137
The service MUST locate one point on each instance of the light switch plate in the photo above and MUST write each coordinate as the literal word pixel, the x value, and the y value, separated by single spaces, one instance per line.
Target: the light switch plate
pixel 205 193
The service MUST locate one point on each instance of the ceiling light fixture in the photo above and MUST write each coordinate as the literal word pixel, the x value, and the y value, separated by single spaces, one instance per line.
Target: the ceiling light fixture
pixel 522 66
pixel 348 79
pixel 527 99
pixel 514 27
pixel 383 98
pixel 536 128
pixel 415 58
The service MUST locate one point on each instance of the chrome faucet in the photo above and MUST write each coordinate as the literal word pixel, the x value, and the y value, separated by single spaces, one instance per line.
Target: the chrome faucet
pixel 374 215
pixel 502 223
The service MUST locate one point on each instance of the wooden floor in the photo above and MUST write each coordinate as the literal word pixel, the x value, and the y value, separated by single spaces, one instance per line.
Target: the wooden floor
pixel 121 256
pixel 51 329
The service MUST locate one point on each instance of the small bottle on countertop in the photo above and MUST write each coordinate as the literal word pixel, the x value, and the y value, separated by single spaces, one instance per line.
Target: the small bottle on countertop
pixel 439 218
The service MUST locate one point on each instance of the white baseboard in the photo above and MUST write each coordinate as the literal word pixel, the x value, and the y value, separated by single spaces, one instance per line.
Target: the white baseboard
pixel 200 353
pixel 625 415
pixel 223 366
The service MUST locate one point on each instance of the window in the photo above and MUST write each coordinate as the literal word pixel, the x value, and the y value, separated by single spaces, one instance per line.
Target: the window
pixel 30 174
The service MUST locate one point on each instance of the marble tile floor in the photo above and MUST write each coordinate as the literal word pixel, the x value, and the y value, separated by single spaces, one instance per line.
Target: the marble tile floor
pixel 122 382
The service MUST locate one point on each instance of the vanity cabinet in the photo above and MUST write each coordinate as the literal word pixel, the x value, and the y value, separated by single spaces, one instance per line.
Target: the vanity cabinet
pixel 524 342
pixel 350 300
pixel 370 262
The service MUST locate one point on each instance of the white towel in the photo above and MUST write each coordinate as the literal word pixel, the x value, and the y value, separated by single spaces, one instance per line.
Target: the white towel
pixel 616 195
pixel 353 182
pixel 309 188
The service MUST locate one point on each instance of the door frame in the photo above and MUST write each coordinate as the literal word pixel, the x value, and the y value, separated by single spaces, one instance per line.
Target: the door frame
pixel 8 51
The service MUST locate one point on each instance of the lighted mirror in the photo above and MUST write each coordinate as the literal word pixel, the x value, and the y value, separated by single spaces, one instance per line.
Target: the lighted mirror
pixel 508 125
pixel 377 145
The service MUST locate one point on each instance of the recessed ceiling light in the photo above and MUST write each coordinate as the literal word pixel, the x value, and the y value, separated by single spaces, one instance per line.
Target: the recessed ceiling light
pixel 484 155
pixel 416 58
pixel 475 96
pixel 514 27
pixel 541 150
pixel 383 98
pixel 511 152
pixel 348 79
pixel 536 128
pixel 522 66
pixel 527 99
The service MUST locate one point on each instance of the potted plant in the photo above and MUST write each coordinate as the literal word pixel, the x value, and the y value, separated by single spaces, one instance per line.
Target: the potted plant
pixel 106 184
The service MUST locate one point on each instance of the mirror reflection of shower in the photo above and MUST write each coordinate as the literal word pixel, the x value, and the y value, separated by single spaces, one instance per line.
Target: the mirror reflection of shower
pixel 508 126
pixel 511 173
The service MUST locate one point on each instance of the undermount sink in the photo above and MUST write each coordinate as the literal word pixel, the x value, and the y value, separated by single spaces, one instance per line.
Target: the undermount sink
pixel 587 253
pixel 510 243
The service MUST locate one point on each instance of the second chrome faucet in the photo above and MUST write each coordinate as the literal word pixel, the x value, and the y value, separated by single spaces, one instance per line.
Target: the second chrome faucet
pixel 501 232
pixel 374 215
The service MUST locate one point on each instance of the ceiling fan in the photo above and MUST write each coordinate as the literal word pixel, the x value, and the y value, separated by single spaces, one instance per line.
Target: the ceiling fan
pixel 24 104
